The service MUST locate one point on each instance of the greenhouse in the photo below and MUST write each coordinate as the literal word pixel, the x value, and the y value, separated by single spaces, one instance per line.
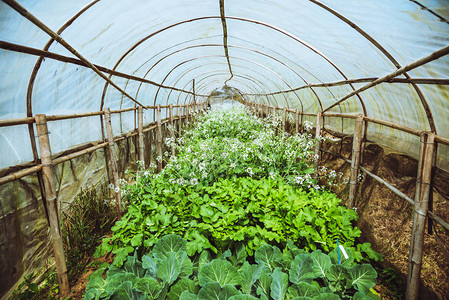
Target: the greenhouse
pixel 224 149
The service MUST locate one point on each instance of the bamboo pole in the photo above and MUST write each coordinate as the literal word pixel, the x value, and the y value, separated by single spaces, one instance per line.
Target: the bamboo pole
pixel 297 122
pixel 140 130
pixel 75 61
pixel 187 114
pixel 284 119
pixel 179 120
pixel 113 161
pixel 317 139
pixel 172 131
pixel 159 139
pixel 423 188
pixel 355 162
pixel 52 204
pixel 433 56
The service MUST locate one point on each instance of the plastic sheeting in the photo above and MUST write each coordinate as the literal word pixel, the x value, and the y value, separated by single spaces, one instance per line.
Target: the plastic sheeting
pixel 272 46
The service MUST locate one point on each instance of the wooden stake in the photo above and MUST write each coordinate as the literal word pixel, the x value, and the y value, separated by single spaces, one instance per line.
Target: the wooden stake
pixel 52 204
pixel 187 114
pixel 423 189
pixel 318 140
pixel 284 119
pixel 172 130
pixel 355 163
pixel 140 129
pixel 179 120
pixel 112 159
pixel 297 122
pixel 159 138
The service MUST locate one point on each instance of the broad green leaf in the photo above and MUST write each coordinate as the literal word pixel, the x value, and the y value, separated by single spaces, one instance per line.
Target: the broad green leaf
pixel 137 240
pixel 125 291
pixel 186 295
pixel 366 248
pixel 168 243
pixel 149 264
pixel 337 273
pixel 213 291
pixel 186 264
pixel 326 296
pixel 363 277
pixel 303 289
pixel 99 272
pixel 182 285
pixel 362 296
pixel 225 254
pixel 96 288
pixel 279 284
pixel 148 286
pixel 121 254
pixel 112 271
pixel 169 268
pixel 301 269
pixel 249 275
pixel 243 297
pixel 203 259
pixel 269 257
pixel 220 271
pixel 239 255
pixel 320 263
pixel 263 284
pixel 116 280
pixel 133 265
pixel 343 261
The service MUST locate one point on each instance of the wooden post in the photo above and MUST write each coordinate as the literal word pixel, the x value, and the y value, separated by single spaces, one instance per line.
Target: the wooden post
pixel 423 189
pixel 159 138
pixel 112 156
pixel 179 120
pixel 318 140
pixel 172 131
pixel 355 162
pixel 274 111
pixel 140 130
pixel 297 122
pixel 193 88
pixel 187 114
pixel 52 204
pixel 284 119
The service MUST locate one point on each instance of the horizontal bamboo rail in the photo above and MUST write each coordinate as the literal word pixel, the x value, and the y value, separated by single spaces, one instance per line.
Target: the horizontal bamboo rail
pixel 30 120
pixel 28 171
pixel 395 190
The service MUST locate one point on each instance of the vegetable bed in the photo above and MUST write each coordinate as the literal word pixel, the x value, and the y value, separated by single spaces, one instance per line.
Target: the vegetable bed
pixel 239 185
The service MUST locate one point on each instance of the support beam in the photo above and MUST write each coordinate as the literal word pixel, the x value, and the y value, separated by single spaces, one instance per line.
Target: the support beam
pixel 355 163
pixel 159 138
pixel 52 204
pixel 113 161
pixel 317 139
pixel 172 128
pixel 297 122
pixel 423 189
pixel 140 130
pixel 433 56
pixel 284 119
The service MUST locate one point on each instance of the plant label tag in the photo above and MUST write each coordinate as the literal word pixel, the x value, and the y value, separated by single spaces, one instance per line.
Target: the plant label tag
pixel 344 252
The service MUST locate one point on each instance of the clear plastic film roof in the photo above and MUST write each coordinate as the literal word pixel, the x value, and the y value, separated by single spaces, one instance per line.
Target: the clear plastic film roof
pixel 268 50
